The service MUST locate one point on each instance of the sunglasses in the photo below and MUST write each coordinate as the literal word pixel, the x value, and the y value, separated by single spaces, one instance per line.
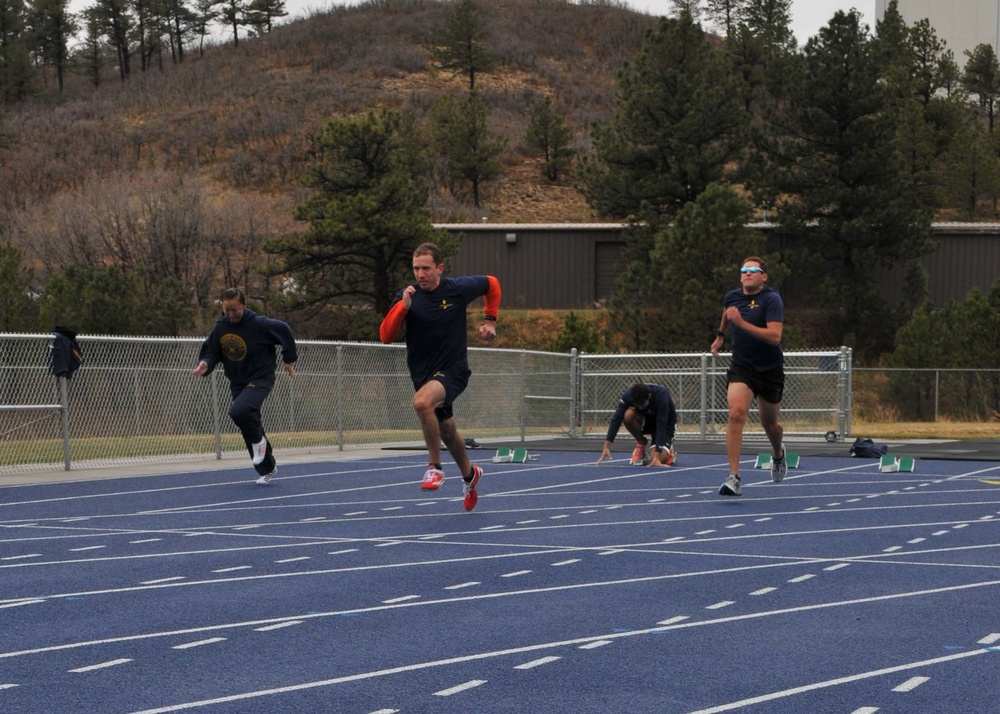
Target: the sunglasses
pixel 751 269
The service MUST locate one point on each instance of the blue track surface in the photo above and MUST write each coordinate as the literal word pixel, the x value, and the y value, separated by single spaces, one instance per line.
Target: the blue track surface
pixel 343 587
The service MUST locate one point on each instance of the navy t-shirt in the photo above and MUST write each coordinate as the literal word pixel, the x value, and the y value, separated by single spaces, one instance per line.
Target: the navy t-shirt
pixel 436 326
pixel 758 309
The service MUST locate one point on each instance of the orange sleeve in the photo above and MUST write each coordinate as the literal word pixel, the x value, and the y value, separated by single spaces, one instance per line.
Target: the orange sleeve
pixel 492 298
pixel 392 324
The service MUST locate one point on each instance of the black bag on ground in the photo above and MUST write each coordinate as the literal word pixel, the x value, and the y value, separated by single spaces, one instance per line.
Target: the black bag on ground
pixel 868 449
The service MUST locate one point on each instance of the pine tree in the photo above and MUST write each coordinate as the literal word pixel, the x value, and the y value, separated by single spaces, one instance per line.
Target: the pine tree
pixel 548 133
pixel 367 214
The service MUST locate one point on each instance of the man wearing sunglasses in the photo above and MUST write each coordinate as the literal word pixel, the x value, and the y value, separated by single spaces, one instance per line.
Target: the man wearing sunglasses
pixel 756 315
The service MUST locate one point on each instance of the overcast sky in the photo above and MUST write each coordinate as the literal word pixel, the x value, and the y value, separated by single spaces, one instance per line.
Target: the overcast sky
pixel 807 15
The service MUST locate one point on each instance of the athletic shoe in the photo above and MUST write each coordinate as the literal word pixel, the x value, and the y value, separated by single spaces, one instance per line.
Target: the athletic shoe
pixel 731 486
pixel 779 467
pixel 433 478
pixel 671 455
pixel 470 488
pixel 259 451
pixel 638 455
pixel 266 478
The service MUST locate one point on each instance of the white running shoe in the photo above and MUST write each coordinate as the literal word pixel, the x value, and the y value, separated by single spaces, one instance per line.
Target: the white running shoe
pixel 731 486
pixel 779 467
pixel 266 478
pixel 259 451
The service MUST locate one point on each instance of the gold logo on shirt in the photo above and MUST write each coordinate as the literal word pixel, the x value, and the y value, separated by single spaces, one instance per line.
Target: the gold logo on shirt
pixel 753 304
pixel 445 305
pixel 233 347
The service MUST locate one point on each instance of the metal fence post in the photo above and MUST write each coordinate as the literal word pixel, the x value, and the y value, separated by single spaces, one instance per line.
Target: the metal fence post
pixel 844 393
pixel 216 415
pixel 937 392
pixel 340 397
pixel 64 404
pixel 524 394
pixel 703 418
pixel 574 407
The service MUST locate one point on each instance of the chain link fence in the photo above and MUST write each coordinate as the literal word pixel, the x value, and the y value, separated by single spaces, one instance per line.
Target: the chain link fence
pixel 817 398
pixel 134 400
pixel 927 394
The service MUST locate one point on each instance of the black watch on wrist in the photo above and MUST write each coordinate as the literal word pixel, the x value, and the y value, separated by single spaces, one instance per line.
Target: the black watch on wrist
pixel 720 333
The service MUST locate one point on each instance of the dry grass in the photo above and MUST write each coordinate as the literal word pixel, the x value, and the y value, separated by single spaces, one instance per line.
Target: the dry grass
pixel 926 430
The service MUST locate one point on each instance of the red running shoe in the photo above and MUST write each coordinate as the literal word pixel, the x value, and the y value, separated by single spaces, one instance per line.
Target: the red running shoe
pixel 471 497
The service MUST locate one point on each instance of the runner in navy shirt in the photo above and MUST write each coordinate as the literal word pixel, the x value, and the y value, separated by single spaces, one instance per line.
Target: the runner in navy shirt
pixel 757 316
pixel 245 344
pixel 433 312
pixel 645 409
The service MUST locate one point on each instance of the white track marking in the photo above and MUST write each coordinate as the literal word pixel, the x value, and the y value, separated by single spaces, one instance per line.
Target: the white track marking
pixel 537 662
pixel 199 643
pixel 460 688
pixel 910 684
pixel 102 665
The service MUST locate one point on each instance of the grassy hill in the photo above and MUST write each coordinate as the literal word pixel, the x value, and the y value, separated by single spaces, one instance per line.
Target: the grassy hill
pixel 235 124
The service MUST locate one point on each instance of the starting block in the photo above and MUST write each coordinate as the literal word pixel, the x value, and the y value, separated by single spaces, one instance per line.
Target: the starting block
pixel 889 464
pixel 764 460
pixel 513 456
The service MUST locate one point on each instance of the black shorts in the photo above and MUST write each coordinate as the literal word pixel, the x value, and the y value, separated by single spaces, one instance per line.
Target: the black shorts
pixel 454 381
pixel 769 385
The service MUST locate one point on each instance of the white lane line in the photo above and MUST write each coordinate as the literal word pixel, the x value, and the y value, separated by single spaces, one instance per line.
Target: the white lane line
pixel 836 682
pixel 720 605
pixel 279 626
pixel 675 539
pixel 588 511
pixel 708 532
pixel 89 547
pixel 314 519
pixel 940 533
pixel 865 710
pixel 459 586
pixel 763 520
pixel 537 662
pixel 404 598
pixel 385 545
pixel 233 569
pixel 393 508
pixel 566 562
pixel 22 557
pixel 990 639
pixel 7 686
pixel 556 518
pixel 433 664
pixel 594 645
pixel 356 513
pixel 892 549
pixel 294 560
pixel 838 566
pixel 515 573
pixel 916 540
pixel 801 578
pixel 386 711
pixel 910 684
pixel 460 688
pixel 102 665
pixel 163 580
pixel 736 525
pixel 763 591
pixel 199 643
pixel 341 552
pixel 492 528
pixel 144 540
pixel 853 602
pixel 960 526
pixel 611 552
pixel 524 523
pixel 673 620
pixel 18 603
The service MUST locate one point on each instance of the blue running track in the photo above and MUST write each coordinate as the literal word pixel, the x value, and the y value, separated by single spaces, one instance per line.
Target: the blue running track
pixel 342 587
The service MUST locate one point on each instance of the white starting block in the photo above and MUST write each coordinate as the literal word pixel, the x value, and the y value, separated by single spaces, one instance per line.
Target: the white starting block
pixel 513 456
pixel 764 460
pixel 889 464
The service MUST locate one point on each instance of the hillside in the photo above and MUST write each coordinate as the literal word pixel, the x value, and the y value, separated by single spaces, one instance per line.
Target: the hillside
pixel 234 125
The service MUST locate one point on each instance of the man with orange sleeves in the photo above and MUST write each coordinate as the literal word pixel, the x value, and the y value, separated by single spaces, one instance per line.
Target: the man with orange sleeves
pixel 433 311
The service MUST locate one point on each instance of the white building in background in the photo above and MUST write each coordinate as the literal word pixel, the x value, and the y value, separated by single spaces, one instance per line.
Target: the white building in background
pixel 962 24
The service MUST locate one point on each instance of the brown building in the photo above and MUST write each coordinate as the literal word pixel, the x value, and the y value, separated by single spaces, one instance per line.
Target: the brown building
pixel 572 266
